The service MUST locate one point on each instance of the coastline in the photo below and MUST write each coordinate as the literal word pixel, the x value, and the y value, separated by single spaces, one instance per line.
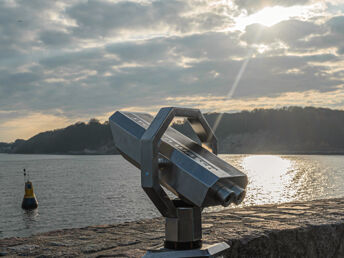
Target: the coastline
pixel 312 228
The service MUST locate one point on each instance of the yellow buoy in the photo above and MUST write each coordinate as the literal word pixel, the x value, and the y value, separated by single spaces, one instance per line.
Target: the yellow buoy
pixel 29 200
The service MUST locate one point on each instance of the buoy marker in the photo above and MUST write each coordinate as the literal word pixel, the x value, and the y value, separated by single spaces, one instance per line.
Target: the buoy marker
pixel 29 200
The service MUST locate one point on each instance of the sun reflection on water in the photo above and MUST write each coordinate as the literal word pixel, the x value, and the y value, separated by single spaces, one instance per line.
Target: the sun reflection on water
pixel 287 178
pixel 270 178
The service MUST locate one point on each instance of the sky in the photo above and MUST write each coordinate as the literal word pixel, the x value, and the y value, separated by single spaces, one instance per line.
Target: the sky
pixel 68 61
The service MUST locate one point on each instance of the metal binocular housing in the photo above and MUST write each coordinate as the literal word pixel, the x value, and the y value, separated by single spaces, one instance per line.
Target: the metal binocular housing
pixel 170 160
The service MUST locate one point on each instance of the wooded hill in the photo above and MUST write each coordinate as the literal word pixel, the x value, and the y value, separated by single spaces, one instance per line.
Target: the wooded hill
pixel 286 130
pixel 80 138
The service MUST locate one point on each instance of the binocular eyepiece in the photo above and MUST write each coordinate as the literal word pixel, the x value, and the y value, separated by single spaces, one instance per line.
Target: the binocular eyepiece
pixel 229 194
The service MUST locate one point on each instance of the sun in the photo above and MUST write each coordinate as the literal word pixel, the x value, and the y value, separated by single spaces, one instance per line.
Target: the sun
pixel 270 16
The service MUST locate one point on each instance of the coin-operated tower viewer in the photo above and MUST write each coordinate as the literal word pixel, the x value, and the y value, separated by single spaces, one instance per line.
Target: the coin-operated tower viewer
pixel 192 172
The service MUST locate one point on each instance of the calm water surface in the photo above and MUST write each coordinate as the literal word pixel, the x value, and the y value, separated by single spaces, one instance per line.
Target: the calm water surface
pixel 77 191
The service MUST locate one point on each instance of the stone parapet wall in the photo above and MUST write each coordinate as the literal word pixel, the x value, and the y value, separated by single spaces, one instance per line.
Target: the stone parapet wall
pixel 298 229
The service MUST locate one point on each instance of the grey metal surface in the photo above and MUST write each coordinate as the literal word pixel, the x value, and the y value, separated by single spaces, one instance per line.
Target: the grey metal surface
pixel 186 227
pixel 195 175
pixel 190 171
pixel 217 250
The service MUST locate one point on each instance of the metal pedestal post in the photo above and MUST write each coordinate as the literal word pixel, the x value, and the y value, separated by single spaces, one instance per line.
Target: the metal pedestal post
pixel 184 231
pixel 184 235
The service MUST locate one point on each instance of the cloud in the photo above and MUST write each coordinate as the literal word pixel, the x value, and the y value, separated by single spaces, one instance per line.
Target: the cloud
pixel 55 38
pixel 300 36
pixel 253 6
pixel 210 45
pixel 286 31
pixel 82 59
pixel 97 19
pixel 333 36
pixel 141 72
pixel 333 99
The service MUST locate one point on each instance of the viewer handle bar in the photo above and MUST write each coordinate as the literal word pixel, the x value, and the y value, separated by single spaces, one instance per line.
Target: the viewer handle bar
pixel 149 152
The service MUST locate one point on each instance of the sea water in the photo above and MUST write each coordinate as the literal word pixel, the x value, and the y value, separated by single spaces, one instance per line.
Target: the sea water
pixel 78 191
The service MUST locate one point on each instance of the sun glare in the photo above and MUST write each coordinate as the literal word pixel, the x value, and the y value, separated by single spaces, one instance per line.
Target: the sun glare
pixel 272 15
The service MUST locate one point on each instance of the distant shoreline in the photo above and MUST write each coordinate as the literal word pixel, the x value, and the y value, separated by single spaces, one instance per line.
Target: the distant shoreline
pixel 286 131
